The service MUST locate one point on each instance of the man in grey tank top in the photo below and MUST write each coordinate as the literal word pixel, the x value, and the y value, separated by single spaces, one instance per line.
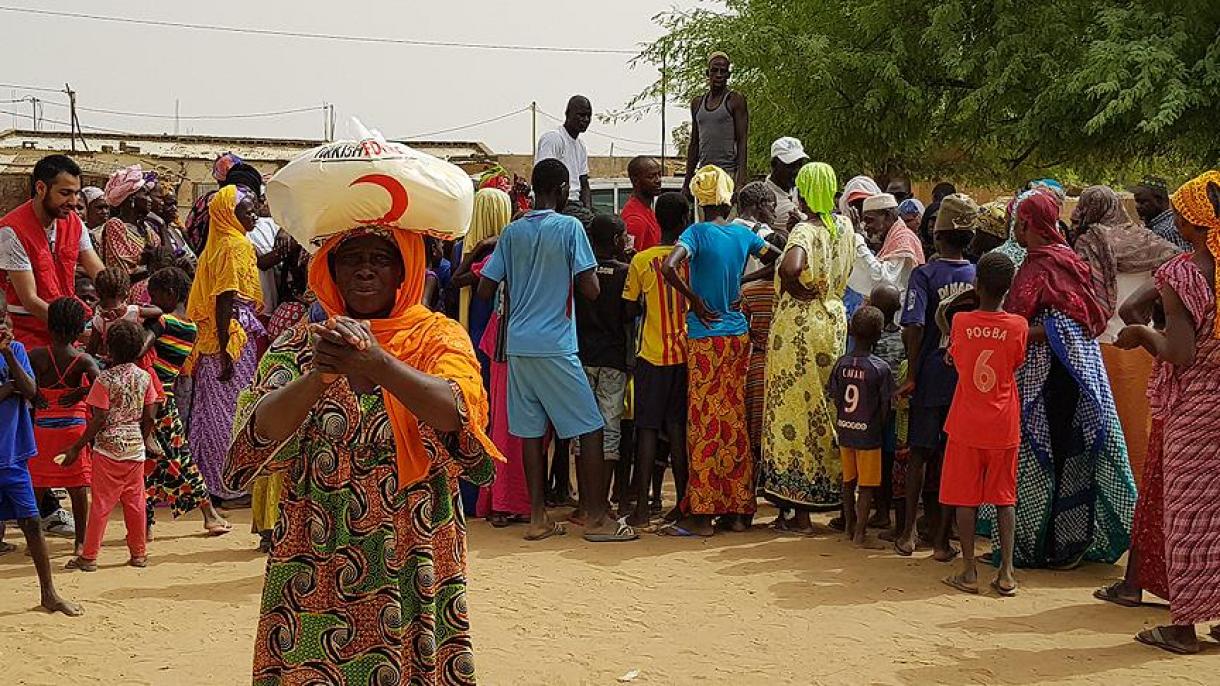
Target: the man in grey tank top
pixel 720 126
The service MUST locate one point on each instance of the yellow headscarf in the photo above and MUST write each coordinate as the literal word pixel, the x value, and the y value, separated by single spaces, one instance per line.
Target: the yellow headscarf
pixel 493 210
pixel 816 182
pixel 712 186
pixel 1192 203
pixel 228 263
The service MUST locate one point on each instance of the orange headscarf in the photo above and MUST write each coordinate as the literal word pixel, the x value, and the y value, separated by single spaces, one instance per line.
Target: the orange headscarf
pixel 1193 204
pixel 428 341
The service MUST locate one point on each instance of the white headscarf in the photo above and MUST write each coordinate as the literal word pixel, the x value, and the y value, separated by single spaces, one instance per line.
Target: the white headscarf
pixel 857 183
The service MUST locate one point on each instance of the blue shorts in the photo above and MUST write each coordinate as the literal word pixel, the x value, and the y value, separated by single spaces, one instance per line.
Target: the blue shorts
pixel 550 390
pixel 17 493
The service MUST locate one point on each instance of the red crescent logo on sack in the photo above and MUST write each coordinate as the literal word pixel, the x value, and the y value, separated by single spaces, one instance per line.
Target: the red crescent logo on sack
pixel 398 197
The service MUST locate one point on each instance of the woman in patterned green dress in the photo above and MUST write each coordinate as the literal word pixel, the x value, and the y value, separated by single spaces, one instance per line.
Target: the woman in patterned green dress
pixel 366 580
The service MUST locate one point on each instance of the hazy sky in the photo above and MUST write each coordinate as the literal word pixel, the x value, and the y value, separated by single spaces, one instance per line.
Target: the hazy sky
pixel 401 90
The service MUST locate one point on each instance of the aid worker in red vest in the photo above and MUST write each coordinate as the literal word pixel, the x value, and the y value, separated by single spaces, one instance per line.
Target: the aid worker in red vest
pixel 41 243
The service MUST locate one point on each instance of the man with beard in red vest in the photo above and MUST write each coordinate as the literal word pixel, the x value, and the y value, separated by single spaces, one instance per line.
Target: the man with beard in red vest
pixel 41 244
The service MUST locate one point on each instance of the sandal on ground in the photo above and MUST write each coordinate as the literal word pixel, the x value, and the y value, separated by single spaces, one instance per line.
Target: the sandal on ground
pixel 901 550
pixel 80 563
pixel 621 533
pixel 956 581
pixel 1005 592
pixel 140 562
pixel 786 526
pixel 1215 632
pixel 1156 638
pixel 555 529
pixel 501 520
pixel 6 547
pixel 678 532
pixel 953 553
pixel 1111 594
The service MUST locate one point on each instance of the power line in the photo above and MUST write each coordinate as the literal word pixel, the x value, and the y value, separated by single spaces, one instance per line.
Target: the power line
pixel 318 36
pixel 31 88
pixel 64 123
pixel 599 133
pixel 147 115
pixel 506 115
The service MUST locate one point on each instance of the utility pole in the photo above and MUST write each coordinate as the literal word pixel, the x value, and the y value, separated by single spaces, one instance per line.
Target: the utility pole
pixel 33 100
pixel 328 121
pixel 73 120
pixel 534 130
pixel 664 99
pixel 177 105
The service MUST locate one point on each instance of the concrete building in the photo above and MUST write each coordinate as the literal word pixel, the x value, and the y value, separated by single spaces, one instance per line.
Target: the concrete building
pixel 182 162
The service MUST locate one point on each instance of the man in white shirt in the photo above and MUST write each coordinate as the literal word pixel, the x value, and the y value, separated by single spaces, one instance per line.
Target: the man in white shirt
pixel 563 144
pixel 787 158
pixel 271 246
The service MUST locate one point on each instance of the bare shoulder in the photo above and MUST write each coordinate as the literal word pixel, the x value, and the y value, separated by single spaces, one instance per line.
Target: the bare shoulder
pixel 737 100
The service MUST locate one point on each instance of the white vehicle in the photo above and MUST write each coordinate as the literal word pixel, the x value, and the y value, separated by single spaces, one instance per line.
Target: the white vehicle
pixel 609 195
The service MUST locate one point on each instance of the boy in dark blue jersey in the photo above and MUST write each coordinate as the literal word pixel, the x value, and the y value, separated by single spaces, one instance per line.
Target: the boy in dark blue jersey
pixel 931 378
pixel 861 387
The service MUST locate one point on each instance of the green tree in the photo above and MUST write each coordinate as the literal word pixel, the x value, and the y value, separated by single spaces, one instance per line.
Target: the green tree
pixel 995 91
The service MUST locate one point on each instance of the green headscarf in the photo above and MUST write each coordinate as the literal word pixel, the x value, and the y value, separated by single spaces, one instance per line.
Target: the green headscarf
pixel 816 182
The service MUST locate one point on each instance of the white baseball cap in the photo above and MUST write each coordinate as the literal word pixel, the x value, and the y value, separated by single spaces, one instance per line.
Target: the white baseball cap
pixel 788 150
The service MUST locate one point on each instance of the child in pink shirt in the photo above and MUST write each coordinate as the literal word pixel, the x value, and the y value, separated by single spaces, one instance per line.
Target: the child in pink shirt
pixel 123 404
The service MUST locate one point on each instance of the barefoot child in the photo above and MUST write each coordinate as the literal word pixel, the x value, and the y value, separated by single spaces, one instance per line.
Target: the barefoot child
pixel 861 387
pixel 64 374
pixel 123 402
pixel 17 445
pixel 175 480
pixel 889 348
pixel 987 346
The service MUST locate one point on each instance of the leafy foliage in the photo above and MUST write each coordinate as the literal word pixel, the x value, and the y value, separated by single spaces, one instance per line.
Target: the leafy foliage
pixel 995 91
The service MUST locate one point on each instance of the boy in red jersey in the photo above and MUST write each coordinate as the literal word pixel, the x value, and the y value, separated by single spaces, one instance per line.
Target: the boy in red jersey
pixel 987 346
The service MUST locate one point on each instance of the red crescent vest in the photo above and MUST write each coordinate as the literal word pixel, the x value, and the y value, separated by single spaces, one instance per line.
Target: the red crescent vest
pixel 54 273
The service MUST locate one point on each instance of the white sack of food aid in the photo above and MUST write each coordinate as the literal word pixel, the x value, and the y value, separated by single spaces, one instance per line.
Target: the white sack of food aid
pixel 369 182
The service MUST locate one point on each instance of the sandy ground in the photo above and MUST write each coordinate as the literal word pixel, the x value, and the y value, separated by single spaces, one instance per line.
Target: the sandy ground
pixel 751 608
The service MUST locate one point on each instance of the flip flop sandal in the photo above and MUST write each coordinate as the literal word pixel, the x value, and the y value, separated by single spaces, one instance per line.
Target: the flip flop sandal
pixel 956 581
pixel 953 553
pixel 556 529
pixel 6 547
pixel 499 521
pixel 905 553
pixel 1110 595
pixel 218 529
pixel 677 532
pixel 140 562
pixel 621 533
pixel 82 565
pixel 1005 592
pixel 1156 638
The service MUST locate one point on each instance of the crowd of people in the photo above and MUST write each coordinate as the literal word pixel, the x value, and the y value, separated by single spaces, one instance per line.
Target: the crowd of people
pixel 925 373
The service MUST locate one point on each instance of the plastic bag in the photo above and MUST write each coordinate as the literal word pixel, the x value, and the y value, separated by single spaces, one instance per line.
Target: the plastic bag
pixel 369 182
